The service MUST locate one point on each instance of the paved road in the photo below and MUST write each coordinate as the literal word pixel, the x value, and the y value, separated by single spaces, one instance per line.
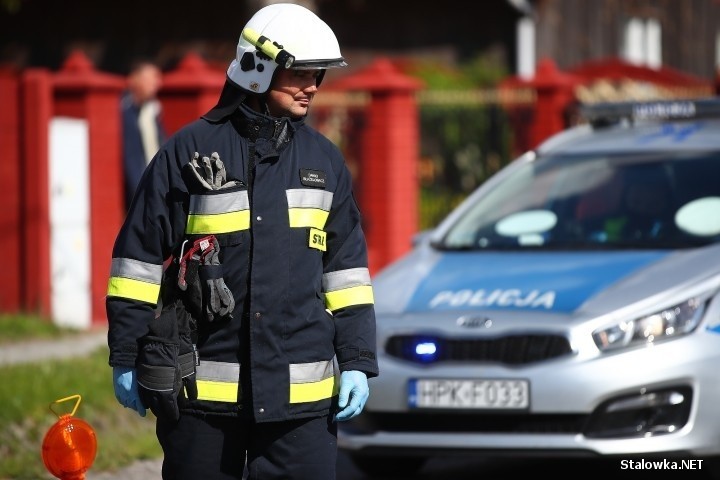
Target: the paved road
pixel 142 470
pixel 36 350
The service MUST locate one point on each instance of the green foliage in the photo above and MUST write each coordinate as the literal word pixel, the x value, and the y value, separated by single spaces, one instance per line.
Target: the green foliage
pixel 438 76
pixel 26 392
pixel 465 137
pixel 20 327
pixel 482 71
pixel 463 144
pixel 435 204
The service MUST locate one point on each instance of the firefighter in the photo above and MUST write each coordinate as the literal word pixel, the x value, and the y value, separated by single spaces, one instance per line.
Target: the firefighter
pixel 240 304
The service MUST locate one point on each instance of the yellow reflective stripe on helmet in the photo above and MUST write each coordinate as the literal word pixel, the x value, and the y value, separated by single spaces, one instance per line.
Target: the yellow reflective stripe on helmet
pixel 310 382
pixel 347 288
pixel 218 381
pixel 308 207
pixel 136 280
pixel 221 213
pixel 268 47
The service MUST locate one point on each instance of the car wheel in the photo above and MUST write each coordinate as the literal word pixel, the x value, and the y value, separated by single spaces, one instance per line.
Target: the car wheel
pixel 388 467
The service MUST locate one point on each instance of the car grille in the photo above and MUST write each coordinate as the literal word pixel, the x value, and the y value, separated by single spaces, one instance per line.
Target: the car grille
pixel 508 350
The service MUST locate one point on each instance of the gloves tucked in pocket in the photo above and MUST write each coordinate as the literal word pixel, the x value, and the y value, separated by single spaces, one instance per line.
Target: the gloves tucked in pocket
pixel 200 277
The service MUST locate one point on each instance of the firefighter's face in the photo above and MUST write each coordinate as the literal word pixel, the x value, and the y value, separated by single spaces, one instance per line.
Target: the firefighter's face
pixel 292 92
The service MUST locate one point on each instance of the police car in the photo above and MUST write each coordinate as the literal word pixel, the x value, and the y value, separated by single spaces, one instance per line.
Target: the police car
pixel 570 306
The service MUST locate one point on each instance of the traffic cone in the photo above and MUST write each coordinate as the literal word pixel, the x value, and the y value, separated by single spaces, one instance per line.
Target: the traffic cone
pixel 70 445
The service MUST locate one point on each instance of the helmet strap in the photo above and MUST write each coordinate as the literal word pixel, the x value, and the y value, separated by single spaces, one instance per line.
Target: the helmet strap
pixel 257 102
pixel 320 77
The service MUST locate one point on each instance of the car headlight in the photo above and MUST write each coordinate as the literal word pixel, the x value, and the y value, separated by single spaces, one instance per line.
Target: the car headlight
pixel 671 322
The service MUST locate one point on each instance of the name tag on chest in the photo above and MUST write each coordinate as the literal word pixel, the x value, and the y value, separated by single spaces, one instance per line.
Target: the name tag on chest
pixel 313 178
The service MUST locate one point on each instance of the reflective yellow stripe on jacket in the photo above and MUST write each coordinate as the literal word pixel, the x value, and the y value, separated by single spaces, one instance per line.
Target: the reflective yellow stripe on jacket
pixel 309 382
pixel 218 381
pixel 135 280
pixel 221 213
pixel 308 207
pixel 347 288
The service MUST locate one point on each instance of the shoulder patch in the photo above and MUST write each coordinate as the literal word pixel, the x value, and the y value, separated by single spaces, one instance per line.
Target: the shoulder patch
pixel 312 178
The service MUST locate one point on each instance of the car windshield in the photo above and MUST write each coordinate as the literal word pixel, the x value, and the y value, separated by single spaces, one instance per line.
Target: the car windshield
pixel 597 201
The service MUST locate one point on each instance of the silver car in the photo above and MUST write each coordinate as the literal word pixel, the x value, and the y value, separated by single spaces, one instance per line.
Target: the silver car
pixel 569 307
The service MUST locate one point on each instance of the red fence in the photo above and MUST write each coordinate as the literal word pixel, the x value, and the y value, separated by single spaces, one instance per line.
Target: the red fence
pixel 382 149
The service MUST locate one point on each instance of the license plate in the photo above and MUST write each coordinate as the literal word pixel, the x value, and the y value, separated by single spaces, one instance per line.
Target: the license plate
pixel 470 393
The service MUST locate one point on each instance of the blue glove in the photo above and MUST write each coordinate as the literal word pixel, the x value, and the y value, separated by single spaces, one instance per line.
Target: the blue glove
pixel 353 387
pixel 126 389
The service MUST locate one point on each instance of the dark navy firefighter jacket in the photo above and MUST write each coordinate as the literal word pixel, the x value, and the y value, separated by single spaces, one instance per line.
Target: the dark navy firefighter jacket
pixel 296 240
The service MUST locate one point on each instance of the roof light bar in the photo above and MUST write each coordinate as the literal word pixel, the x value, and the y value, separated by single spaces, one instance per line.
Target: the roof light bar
pixel 606 113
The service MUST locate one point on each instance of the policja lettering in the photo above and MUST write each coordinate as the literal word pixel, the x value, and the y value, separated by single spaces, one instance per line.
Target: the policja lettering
pixel 502 298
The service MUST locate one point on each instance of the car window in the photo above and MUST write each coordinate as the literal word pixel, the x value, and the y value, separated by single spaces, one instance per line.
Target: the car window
pixel 597 201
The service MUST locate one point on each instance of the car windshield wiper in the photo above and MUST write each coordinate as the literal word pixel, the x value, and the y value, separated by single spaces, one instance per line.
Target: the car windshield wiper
pixel 485 248
pixel 455 248
pixel 658 244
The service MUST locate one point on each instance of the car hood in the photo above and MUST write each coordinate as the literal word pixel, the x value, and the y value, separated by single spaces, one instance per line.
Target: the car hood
pixel 427 280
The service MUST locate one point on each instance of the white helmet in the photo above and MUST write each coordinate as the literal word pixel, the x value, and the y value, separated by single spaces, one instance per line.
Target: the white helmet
pixel 282 34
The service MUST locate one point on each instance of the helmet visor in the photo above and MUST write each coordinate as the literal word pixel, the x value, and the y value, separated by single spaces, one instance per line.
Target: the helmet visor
pixel 318 64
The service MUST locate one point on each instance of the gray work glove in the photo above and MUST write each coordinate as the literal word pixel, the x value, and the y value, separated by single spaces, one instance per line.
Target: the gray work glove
pixel 219 298
pixel 211 172
pixel 200 274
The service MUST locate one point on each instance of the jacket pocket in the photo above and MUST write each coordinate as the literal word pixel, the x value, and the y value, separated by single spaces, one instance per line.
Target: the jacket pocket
pixel 225 214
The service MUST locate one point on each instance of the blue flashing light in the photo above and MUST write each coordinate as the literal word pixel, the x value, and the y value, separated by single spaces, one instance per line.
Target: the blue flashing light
pixel 426 350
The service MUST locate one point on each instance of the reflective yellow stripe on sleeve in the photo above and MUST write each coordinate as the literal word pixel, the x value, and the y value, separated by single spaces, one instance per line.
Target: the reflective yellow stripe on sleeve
pixel 347 288
pixel 348 297
pixel 133 289
pixel 221 213
pixel 135 280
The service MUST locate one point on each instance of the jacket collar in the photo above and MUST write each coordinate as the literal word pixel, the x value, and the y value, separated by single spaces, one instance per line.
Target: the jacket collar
pixel 270 134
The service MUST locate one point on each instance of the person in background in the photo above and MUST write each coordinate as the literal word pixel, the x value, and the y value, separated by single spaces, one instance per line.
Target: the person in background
pixel 635 206
pixel 142 128
pixel 647 208
pixel 259 335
